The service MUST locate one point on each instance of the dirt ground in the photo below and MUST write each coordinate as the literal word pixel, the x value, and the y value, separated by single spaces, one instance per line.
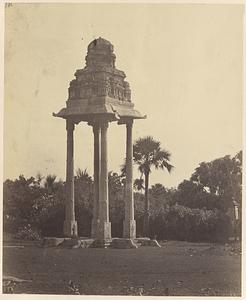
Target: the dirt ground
pixel 176 269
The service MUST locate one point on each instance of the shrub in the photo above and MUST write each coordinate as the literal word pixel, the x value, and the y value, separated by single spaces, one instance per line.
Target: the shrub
pixel 182 223
pixel 27 232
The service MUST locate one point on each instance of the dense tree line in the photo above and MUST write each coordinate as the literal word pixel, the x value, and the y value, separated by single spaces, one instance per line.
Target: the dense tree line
pixel 197 210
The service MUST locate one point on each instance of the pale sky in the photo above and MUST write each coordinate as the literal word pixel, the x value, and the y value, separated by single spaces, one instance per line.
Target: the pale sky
pixel 183 63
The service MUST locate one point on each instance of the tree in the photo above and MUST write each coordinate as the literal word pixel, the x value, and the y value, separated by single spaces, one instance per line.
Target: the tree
pixel 49 183
pixel 157 190
pixel 194 195
pixel 138 184
pixel 19 197
pixel 83 175
pixel 147 153
pixel 221 178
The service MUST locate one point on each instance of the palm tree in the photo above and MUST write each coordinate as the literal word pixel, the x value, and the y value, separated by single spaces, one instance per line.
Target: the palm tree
pixel 148 153
pixel 83 175
pixel 138 184
pixel 50 183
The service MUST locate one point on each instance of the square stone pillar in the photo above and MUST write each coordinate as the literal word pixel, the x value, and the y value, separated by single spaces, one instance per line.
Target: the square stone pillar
pixel 97 168
pixel 70 225
pixel 129 225
pixel 104 226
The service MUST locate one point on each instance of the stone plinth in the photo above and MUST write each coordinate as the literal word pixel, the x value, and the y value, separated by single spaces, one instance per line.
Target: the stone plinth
pixel 76 243
pixel 122 243
pixel 147 242
pixel 52 241
pixel 101 243
pixel 115 243
pixel 67 242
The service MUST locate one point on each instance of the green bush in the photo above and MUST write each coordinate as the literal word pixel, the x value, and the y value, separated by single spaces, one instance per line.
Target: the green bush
pixel 182 223
pixel 27 233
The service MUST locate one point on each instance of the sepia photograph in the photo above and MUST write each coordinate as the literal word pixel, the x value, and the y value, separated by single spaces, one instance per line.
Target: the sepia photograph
pixel 122 149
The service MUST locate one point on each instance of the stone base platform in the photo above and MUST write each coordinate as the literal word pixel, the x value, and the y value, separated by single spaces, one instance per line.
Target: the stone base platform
pixel 97 243
pixel 67 242
pixel 114 243
pixel 123 243
pixel 147 242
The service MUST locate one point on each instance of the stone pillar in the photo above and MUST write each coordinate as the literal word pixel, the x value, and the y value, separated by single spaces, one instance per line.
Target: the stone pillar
pixel 70 225
pixel 104 230
pixel 97 156
pixel 129 226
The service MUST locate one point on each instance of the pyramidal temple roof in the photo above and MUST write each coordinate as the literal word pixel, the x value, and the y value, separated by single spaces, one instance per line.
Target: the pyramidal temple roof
pixel 100 42
pixel 99 89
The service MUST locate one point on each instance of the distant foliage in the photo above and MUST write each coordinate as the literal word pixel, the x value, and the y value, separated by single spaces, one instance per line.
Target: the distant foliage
pixel 182 223
pixel 196 211
pixel 221 179
pixel 83 194
pixel 116 184
pixel 27 202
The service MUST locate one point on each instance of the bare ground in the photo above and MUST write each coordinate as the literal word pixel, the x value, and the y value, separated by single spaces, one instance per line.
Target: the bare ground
pixel 176 269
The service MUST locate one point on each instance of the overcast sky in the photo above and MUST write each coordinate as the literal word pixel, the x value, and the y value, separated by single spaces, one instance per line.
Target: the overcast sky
pixel 183 63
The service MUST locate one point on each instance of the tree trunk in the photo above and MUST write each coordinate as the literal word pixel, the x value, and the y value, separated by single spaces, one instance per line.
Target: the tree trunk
pixel 146 206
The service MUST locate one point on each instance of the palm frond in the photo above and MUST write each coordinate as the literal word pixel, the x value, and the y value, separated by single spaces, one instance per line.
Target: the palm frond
pixel 166 165
pixel 147 152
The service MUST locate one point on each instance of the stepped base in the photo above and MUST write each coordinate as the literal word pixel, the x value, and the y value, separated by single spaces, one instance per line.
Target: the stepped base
pixel 67 242
pixel 51 241
pixel 123 243
pixel 100 243
pixel 115 243
pixel 147 242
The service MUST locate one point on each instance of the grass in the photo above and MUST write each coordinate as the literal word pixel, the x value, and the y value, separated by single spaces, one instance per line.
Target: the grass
pixel 177 269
